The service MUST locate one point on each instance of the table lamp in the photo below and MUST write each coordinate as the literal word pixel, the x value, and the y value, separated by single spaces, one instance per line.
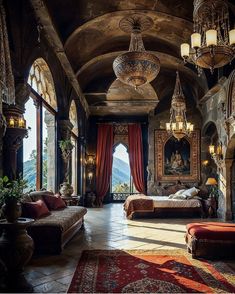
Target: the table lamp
pixel 213 183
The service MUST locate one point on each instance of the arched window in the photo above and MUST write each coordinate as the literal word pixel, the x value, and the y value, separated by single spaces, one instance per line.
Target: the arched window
pixel 74 138
pixel 122 184
pixel 40 114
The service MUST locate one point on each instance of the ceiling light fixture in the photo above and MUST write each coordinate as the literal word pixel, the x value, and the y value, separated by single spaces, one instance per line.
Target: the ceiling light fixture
pixel 212 43
pixel 178 125
pixel 137 66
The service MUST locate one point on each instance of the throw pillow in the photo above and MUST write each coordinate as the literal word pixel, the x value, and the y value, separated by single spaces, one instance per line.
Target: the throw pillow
pixel 54 202
pixel 191 192
pixel 35 209
pixel 38 195
pixel 180 192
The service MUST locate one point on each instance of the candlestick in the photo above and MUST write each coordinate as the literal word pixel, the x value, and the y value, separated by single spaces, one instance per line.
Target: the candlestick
pixel 11 122
pixel 21 122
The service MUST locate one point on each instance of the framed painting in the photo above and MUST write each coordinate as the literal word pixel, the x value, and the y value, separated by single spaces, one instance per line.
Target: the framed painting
pixel 177 160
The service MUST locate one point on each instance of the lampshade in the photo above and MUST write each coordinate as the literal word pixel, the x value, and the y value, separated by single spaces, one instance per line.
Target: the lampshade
pixel 212 149
pixel 211 182
pixel 211 37
pixel 232 37
pixel 196 40
pixel 185 50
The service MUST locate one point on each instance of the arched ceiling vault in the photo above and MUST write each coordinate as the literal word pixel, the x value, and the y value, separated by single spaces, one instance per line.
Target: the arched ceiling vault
pixel 92 39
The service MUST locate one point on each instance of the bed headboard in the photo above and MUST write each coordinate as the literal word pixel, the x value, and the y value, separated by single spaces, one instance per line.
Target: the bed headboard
pixel 161 189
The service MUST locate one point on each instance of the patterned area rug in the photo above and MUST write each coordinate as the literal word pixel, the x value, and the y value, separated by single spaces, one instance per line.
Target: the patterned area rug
pixel 169 271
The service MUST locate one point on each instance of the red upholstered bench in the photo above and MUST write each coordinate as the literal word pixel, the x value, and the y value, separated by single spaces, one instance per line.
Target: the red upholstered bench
pixel 211 240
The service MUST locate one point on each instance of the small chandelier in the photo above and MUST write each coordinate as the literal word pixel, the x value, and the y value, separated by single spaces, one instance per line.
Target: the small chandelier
pixel 212 43
pixel 137 66
pixel 178 125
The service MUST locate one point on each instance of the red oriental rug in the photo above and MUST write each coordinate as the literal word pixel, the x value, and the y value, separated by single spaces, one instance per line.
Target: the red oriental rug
pixel 116 271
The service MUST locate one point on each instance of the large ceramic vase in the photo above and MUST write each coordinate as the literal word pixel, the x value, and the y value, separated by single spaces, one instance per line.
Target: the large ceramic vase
pixel 66 190
pixel 11 210
pixel 16 249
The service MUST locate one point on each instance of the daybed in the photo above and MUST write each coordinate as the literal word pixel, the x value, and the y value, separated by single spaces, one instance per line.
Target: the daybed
pixel 211 239
pixel 53 230
pixel 163 206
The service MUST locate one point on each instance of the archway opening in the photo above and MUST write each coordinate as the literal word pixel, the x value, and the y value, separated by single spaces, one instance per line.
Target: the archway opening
pixel 122 183
pixel 39 161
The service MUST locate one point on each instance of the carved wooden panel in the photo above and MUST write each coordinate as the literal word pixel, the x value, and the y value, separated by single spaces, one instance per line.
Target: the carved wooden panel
pixel 161 138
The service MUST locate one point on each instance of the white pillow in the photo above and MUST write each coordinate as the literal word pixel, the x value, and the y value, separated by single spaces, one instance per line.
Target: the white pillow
pixel 180 192
pixel 191 192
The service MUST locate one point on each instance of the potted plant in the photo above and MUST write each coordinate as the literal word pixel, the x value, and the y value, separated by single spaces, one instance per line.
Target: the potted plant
pixel 10 193
pixel 66 147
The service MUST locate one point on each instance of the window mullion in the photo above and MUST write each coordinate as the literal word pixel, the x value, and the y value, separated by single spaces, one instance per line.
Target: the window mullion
pixel 39 145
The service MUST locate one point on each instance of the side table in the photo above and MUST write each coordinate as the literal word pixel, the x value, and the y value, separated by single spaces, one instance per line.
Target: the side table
pixel 16 249
pixel 71 200
pixel 210 207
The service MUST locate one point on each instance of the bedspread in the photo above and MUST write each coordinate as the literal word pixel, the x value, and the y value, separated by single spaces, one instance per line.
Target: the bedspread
pixel 140 203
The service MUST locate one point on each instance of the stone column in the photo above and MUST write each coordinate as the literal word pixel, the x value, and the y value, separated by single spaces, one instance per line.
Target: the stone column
pixel 228 193
pixel 2 133
pixel 65 129
pixel 51 154
pixel 12 141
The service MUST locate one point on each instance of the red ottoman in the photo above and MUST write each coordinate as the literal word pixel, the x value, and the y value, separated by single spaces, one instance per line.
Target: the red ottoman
pixel 211 240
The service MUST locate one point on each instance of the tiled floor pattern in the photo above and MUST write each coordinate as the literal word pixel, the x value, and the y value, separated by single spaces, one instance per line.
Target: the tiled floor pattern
pixel 105 228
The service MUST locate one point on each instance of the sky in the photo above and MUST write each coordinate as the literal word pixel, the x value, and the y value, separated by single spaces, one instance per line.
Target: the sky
pixel 30 117
pixel 121 153
pixel 31 121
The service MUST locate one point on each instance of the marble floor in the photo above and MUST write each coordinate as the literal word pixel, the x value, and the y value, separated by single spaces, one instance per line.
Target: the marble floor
pixel 105 228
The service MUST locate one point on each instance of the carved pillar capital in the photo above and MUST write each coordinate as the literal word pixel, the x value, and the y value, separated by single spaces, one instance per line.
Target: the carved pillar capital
pixel 13 140
pixel 22 90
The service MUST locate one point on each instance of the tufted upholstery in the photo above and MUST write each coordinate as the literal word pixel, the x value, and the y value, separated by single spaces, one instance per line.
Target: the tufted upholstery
pixel 52 232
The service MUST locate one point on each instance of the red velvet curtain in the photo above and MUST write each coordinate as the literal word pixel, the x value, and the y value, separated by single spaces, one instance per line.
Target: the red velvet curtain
pixel 104 160
pixel 136 156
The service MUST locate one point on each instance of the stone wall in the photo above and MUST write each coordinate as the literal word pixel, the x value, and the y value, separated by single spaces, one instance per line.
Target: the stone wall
pixel 217 107
pixel 158 122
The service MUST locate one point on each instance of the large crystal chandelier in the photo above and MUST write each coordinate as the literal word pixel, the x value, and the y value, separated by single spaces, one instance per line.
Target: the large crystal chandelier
pixel 178 125
pixel 212 43
pixel 137 66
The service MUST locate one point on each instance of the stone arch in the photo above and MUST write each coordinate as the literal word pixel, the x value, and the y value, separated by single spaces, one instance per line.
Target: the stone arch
pixel 41 80
pixel 209 128
pixel 230 101
pixel 121 142
pixel 230 179
pixel 73 117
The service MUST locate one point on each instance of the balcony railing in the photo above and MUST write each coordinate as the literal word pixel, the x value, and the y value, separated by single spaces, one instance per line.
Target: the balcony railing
pixel 120 197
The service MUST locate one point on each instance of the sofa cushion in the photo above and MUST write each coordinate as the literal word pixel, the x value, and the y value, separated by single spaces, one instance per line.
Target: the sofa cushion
pixel 54 202
pixel 36 195
pixel 35 209
pixel 212 231
pixel 63 218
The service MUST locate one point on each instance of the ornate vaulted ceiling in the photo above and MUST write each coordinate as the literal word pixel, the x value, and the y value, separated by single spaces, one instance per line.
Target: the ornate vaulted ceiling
pixel 90 33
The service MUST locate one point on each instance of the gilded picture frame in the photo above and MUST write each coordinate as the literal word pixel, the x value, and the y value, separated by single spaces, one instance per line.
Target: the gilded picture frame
pixel 179 161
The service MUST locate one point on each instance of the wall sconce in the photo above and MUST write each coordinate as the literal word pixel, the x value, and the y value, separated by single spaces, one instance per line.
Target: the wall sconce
pixel 216 152
pixel 205 162
pixel 90 176
pixel 90 159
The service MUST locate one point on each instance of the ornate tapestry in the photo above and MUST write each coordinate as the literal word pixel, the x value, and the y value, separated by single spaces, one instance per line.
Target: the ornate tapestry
pixel 177 160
